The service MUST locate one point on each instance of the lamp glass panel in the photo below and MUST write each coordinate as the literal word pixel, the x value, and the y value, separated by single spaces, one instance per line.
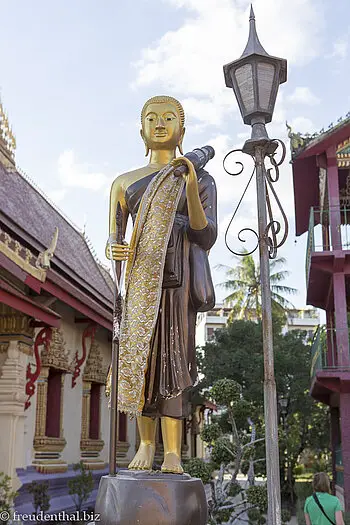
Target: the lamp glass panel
pixel 266 74
pixel 244 79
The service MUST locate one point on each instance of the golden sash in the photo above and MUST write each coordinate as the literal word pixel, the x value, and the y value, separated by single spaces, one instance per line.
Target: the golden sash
pixel 144 278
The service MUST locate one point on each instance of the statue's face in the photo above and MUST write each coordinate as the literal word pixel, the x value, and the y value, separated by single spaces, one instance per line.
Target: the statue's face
pixel 161 127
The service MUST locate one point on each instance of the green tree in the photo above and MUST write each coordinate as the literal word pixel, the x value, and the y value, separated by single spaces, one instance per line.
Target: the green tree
pixel 41 497
pixel 229 447
pixel 7 495
pixel 244 284
pixel 81 486
pixel 237 354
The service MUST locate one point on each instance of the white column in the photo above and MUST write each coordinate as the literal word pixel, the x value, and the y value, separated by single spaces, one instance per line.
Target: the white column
pixel 12 399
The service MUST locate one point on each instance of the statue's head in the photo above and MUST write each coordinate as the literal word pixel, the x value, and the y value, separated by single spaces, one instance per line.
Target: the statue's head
pixel 163 124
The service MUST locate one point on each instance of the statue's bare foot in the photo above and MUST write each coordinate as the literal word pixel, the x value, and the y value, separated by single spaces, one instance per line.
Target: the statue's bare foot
pixel 144 457
pixel 172 464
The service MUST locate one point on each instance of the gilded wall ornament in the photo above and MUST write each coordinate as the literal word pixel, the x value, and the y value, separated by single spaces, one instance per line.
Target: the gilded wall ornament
pixel 55 354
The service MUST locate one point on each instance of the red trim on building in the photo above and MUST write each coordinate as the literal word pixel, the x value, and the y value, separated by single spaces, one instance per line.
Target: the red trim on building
pixel 12 267
pixel 20 302
pixel 319 146
pixel 43 338
pixel 77 305
pixel 33 283
pixel 89 332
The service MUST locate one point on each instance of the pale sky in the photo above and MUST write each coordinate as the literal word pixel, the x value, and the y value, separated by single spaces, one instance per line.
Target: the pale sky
pixel 74 77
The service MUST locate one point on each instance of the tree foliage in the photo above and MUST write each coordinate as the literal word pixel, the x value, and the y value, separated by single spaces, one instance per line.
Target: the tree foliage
pixel 7 495
pixel 81 486
pixel 41 496
pixel 237 354
pixel 243 281
pixel 229 445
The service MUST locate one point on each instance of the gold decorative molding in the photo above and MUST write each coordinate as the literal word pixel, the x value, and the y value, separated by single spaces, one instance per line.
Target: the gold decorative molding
pixel 85 412
pixel 91 445
pixel 92 464
pixel 41 404
pixel 47 449
pixel 49 444
pixel 90 448
pixel 20 255
pixel 15 323
pixel 50 466
pixel 15 326
pixel 122 453
pixel 56 356
pixel 7 140
pixel 25 348
pixel 343 154
pixel 4 347
pixel 94 371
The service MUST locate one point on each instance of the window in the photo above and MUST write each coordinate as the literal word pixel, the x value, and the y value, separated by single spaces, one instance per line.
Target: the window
pixel 184 432
pixel 210 333
pixel 122 429
pixel 94 428
pixel 53 407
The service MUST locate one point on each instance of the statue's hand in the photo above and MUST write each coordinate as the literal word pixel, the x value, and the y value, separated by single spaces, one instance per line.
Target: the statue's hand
pixel 191 176
pixel 120 252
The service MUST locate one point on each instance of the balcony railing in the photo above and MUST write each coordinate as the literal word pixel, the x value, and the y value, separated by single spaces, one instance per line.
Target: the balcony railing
pixel 324 354
pixel 319 235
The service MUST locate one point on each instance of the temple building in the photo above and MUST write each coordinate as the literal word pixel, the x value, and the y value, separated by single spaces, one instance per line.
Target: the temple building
pixel 56 305
pixel 321 177
pixel 56 310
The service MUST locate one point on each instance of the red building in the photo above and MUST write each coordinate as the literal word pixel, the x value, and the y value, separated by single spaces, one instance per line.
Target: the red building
pixel 321 176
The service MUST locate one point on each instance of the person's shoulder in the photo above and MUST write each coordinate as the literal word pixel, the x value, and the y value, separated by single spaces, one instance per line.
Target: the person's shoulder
pixel 307 501
pixel 331 497
pixel 335 500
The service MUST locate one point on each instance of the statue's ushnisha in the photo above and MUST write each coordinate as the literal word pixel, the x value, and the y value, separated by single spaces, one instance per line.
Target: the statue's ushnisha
pixel 167 281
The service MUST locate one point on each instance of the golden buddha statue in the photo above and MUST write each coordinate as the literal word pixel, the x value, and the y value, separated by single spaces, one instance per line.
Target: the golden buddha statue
pixel 167 281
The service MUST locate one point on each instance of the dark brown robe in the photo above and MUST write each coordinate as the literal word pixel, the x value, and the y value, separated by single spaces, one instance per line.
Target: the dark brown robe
pixel 172 369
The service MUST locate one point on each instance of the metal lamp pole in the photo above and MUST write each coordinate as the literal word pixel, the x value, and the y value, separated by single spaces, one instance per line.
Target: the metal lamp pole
pixel 255 78
pixel 270 394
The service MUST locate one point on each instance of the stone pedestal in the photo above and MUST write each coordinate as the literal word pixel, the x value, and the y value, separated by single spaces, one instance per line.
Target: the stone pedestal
pixel 151 498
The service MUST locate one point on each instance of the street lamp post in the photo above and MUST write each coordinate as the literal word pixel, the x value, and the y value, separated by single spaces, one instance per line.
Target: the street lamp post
pixel 255 78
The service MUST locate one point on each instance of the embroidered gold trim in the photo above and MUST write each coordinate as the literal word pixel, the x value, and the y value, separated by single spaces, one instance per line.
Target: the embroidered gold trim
pixel 144 278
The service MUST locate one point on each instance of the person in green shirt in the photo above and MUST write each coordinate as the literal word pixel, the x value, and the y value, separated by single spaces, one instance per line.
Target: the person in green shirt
pixel 332 510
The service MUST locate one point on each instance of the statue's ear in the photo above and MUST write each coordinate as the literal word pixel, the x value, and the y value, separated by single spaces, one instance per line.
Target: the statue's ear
pixel 180 142
pixel 146 145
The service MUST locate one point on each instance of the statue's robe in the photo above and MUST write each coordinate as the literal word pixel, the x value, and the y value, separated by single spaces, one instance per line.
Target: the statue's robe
pixel 172 369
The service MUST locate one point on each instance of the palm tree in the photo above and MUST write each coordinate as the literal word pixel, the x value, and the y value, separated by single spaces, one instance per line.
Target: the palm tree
pixel 243 281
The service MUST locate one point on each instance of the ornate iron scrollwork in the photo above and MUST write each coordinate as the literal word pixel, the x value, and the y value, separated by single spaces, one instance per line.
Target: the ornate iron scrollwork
pixel 271 176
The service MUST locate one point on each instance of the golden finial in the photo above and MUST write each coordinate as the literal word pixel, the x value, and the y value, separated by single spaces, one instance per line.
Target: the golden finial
pixel 6 134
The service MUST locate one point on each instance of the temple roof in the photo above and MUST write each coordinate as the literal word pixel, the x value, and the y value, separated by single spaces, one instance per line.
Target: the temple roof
pixel 305 145
pixel 29 216
pixel 308 153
